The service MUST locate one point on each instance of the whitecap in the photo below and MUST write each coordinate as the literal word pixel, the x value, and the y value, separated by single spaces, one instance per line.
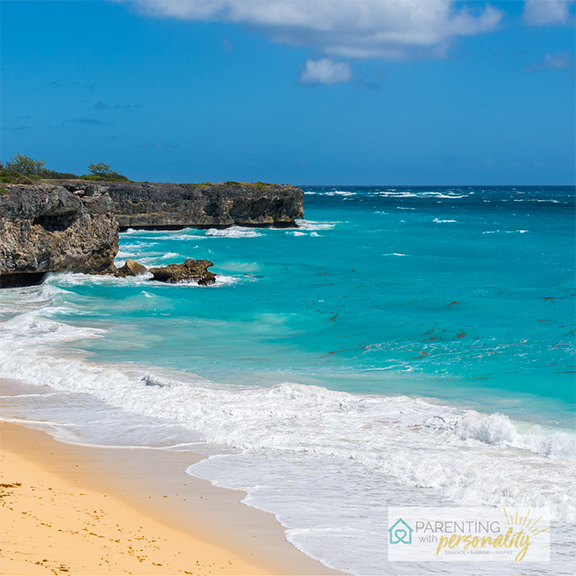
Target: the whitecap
pixel 234 232
pixel 505 232
pixel 312 225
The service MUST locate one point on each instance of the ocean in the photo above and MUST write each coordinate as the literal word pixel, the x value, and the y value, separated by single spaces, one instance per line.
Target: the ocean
pixel 404 346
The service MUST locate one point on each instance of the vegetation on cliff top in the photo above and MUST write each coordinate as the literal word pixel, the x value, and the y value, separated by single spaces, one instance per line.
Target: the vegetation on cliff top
pixel 25 170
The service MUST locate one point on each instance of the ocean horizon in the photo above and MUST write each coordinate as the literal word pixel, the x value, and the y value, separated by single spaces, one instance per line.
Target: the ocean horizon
pixel 402 346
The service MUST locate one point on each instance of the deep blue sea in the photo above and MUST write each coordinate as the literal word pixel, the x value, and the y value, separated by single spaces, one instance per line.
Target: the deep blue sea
pixel 402 346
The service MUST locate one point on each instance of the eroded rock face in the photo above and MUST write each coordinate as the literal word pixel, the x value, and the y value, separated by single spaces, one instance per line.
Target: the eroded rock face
pixel 147 205
pixel 190 270
pixel 47 228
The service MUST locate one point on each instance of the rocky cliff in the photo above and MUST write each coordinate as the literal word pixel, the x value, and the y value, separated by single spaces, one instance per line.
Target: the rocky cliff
pixel 46 228
pixel 147 205
pixel 73 225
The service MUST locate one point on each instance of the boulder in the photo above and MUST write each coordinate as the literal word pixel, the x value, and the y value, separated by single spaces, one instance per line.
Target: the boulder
pixel 46 228
pixel 190 270
pixel 132 268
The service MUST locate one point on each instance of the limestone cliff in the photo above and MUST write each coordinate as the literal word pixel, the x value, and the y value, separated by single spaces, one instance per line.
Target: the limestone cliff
pixel 47 228
pixel 148 205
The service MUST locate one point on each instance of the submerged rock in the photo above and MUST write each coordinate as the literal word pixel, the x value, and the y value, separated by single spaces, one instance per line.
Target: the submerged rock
pixel 195 270
pixel 46 228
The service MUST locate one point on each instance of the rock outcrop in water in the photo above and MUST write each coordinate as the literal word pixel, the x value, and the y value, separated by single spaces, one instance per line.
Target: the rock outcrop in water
pixel 190 270
pixel 131 268
pixel 47 228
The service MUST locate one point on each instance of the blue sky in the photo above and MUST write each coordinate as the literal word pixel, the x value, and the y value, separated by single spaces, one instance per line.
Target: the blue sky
pixel 317 92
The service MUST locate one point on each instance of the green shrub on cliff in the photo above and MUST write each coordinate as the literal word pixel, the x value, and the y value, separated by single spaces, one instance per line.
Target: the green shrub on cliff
pixel 99 169
pixel 102 172
pixel 24 170
pixel 111 177
pixel 55 175
pixel 25 165
pixel 8 176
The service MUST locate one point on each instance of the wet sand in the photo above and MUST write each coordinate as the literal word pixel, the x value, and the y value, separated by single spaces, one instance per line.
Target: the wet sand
pixel 71 509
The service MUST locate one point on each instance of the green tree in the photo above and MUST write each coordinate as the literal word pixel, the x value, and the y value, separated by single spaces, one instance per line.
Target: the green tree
pixel 99 169
pixel 25 165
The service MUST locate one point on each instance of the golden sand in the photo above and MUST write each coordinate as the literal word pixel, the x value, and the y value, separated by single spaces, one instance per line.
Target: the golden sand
pixel 69 509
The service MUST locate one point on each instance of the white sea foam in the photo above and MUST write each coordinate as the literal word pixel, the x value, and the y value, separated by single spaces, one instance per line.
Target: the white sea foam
pixel 505 232
pixel 138 247
pixel 418 194
pixel 309 225
pixel 187 237
pixel 69 279
pixel 550 201
pixel 397 194
pixel 227 280
pixel 339 193
pixel 327 463
pixel 418 443
pixel 234 232
pixel 439 221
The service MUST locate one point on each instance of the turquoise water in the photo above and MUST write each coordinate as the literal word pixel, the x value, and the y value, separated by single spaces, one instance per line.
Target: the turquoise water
pixel 408 346
pixel 464 295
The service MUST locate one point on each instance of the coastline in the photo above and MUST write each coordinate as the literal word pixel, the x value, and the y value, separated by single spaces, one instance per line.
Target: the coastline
pixel 77 509
pixel 338 395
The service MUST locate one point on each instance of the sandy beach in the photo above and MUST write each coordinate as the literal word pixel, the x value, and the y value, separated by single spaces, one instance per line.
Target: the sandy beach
pixel 70 509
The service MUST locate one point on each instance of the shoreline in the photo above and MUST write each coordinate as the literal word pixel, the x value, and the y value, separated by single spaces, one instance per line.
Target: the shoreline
pixel 76 509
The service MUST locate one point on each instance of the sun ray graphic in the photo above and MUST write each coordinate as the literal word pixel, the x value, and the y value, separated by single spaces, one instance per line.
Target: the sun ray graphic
pixel 532 525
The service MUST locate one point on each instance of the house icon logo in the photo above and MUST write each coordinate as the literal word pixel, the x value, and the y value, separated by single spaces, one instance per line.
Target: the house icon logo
pixel 400 533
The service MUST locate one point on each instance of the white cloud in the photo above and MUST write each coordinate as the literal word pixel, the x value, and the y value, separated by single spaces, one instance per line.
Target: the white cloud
pixel 389 29
pixel 325 71
pixel 544 12
pixel 554 61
